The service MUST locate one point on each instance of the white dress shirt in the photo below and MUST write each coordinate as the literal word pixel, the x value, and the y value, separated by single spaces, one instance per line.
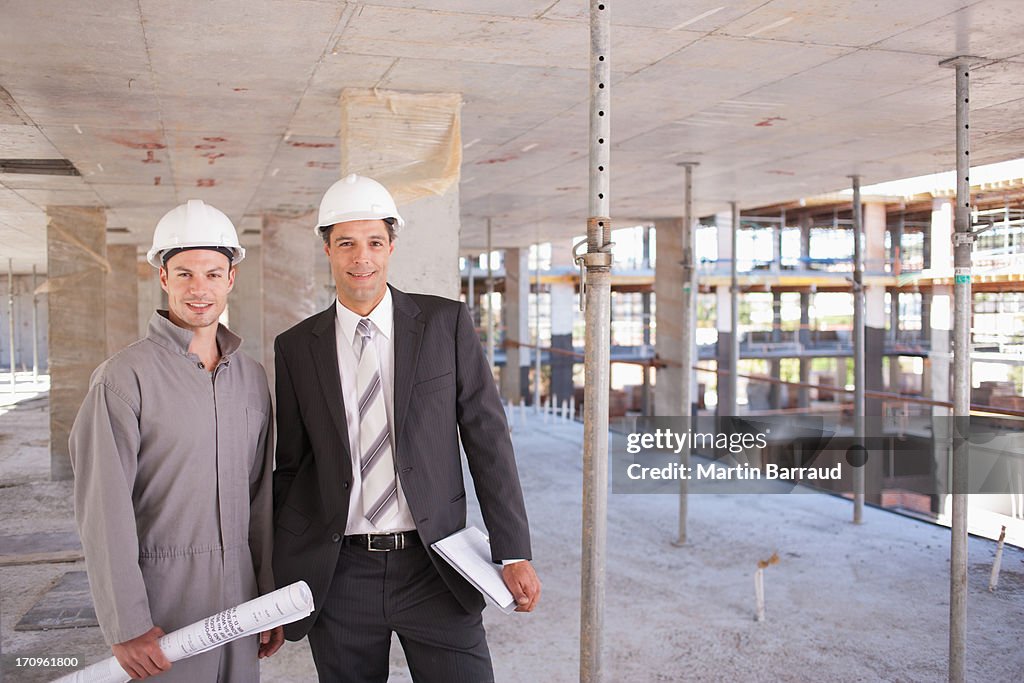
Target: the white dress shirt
pixel 381 325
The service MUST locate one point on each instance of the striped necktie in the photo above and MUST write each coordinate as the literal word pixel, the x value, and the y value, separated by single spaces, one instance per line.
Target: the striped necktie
pixel 376 462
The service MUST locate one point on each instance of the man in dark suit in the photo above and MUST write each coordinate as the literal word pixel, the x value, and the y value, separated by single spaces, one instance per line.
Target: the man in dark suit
pixel 373 396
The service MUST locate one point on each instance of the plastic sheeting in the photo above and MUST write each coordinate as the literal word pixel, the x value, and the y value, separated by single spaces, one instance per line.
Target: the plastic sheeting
pixel 410 142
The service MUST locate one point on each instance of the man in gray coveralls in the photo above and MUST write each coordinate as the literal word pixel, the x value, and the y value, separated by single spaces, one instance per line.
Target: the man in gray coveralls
pixel 172 451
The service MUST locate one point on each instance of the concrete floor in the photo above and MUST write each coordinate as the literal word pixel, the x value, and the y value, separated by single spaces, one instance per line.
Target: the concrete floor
pixel 845 603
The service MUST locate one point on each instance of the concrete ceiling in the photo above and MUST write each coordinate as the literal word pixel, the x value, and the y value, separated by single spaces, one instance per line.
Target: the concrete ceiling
pixel 236 102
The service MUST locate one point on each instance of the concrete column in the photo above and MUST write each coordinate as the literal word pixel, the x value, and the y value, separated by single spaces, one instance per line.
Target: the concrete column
pixel 874 218
pixel 805 240
pixel 937 373
pixel 245 307
pixel 648 395
pixel 151 295
pixel 841 371
pixel 723 310
pixel 894 335
pixel 777 242
pixel 668 292
pixel 426 256
pixel 897 244
pixel 804 395
pixel 775 391
pixel 874 305
pixel 936 313
pixel 122 296
pixel 939 330
pixel 76 264
pixel 940 252
pixel 293 264
pixel 515 307
pixel 926 335
pixel 471 293
pixel 564 306
pixel 804 335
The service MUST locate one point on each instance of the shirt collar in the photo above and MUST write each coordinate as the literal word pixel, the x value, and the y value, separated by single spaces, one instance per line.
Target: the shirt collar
pixel 382 317
pixel 170 336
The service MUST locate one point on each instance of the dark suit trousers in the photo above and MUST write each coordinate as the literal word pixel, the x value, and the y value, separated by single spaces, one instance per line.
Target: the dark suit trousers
pixel 374 594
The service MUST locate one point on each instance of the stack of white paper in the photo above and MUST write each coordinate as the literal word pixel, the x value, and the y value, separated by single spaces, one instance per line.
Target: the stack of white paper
pixel 469 552
pixel 281 607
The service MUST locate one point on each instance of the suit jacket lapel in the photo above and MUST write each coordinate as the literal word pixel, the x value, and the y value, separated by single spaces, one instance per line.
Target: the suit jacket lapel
pixel 323 348
pixel 408 335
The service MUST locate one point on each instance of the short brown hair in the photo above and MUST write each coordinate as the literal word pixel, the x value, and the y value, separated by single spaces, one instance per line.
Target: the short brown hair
pixel 325 232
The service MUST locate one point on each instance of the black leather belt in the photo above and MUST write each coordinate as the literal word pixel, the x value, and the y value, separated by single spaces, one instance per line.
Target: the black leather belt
pixel 398 540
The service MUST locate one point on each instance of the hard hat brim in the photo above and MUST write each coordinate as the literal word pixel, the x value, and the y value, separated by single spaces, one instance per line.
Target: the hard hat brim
pixel 155 256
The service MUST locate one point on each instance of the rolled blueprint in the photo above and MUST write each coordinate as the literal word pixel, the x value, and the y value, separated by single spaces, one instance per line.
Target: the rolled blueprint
pixel 281 607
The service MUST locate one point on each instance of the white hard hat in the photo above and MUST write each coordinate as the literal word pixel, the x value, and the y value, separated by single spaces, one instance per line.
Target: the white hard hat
pixel 357 198
pixel 194 224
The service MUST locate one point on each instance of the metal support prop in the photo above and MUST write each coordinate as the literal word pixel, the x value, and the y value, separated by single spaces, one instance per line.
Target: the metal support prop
pixel 536 329
pixel 858 349
pixel 645 302
pixel 962 247
pixel 10 315
pixel 35 328
pixel 597 261
pixel 490 301
pixel 689 318
pixel 470 298
pixel 734 314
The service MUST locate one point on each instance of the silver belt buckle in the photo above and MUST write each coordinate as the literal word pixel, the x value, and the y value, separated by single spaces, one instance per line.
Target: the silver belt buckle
pixel 399 542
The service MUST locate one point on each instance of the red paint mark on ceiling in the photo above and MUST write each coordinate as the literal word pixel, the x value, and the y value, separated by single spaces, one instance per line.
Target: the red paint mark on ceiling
pixel 566 189
pixel 206 182
pixel 323 164
pixel 156 180
pixel 776 171
pixel 770 121
pixel 310 145
pixel 213 156
pixel 140 144
pixel 150 159
pixel 240 89
pixel 215 139
pixel 497 160
pixel 206 146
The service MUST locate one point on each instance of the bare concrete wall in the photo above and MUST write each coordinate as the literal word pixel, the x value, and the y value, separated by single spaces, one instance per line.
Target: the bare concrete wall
pixel 122 296
pixel 76 256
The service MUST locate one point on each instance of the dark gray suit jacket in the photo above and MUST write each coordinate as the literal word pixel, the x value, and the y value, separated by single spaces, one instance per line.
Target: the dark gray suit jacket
pixel 443 389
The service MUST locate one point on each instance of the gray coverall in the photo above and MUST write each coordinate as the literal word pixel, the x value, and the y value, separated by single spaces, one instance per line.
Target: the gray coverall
pixel 173 492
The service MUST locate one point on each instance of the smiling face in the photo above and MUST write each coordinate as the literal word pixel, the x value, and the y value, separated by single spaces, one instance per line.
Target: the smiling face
pixel 359 253
pixel 197 282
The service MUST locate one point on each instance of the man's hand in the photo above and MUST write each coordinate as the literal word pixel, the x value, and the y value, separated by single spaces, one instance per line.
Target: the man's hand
pixel 271 641
pixel 522 581
pixel 142 657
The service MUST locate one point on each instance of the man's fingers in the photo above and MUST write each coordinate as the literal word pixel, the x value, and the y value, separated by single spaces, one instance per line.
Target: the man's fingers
pixel 271 641
pixel 142 657
pixel 524 585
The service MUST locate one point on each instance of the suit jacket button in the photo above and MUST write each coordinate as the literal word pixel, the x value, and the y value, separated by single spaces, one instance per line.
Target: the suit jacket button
pixel 335 538
pixel 344 485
